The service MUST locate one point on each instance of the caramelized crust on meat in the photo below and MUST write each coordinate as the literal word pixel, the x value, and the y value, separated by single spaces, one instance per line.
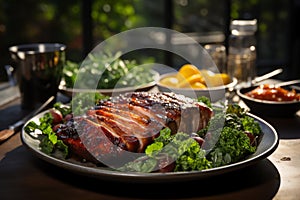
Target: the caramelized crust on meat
pixel 132 121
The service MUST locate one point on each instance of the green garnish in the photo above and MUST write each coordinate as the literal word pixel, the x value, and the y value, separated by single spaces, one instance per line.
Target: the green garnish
pixel 180 147
pixel 49 144
pixel 230 136
pixel 106 71
pixel 64 109
pixel 204 100
pixel 81 102
pixel 226 136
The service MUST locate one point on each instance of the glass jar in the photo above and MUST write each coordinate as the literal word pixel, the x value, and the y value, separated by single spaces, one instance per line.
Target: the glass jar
pixel 241 59
pixel 218 55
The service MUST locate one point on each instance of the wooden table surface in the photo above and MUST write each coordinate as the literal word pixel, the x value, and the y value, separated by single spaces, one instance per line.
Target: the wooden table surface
pixel 25 176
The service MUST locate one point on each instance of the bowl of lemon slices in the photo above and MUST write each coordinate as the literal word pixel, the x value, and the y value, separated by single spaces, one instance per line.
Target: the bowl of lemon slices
pixel 193 82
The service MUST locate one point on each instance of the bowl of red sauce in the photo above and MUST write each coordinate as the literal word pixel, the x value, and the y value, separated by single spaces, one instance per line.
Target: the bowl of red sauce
pixel 270 100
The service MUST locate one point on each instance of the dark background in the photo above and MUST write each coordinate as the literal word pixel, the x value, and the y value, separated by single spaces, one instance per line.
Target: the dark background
pixel 82 24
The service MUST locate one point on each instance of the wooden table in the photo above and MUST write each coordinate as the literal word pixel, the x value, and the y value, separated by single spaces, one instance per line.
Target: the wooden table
pixel 25 176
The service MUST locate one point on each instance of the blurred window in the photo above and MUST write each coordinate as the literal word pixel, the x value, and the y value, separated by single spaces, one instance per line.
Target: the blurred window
pixel 82 24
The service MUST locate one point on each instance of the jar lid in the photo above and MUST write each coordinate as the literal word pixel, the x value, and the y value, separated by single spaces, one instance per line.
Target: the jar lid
pixel 244 25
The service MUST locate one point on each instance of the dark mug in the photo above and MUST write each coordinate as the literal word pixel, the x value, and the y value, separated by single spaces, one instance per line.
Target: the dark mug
pixel 39 68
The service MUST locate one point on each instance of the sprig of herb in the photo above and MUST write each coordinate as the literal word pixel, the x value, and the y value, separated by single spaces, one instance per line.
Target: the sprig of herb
pixel 49 143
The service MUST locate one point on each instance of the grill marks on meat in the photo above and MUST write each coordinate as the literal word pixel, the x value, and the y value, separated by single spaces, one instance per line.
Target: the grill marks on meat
pixel 168 108
pixel 131 121
pixel 126 124
pixel 98 140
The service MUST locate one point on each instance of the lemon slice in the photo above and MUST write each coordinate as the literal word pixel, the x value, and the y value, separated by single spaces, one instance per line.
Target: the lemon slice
pixel 198 85
pixel 215 79
pixel 187 70
pixel 190 80
pixel 226 79
pixel 218 80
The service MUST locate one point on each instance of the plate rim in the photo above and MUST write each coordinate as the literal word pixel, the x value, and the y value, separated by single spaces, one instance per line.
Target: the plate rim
pixel 104 173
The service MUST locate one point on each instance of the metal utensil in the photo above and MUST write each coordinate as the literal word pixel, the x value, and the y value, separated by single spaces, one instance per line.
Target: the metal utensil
pixel 286 83
pixel 12 129
pixel 232 96
pixel 266 76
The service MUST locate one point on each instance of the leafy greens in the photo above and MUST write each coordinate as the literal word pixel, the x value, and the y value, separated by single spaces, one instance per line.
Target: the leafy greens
pixel 106 71
pixel 230 136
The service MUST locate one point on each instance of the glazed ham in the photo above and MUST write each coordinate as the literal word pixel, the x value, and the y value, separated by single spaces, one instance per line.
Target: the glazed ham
pixel 130 122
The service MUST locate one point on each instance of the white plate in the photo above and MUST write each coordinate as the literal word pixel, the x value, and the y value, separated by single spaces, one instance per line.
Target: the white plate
pixel 115 91
pixel 265 148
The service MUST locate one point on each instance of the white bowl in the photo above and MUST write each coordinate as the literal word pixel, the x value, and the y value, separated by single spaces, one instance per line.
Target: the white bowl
pixel 213 93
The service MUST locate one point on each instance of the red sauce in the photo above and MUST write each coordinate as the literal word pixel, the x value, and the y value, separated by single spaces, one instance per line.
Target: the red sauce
pixel 272 93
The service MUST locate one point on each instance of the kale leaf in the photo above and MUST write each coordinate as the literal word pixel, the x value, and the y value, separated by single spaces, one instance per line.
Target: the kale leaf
pixel 229 136
pixel 179 148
